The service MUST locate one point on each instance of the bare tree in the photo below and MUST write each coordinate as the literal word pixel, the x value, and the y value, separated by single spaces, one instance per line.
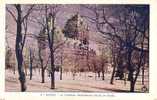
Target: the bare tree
pixel 47 23
pixel 20 39
pixel 123 24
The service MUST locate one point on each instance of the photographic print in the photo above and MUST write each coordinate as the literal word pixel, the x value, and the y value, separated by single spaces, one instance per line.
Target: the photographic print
pixel 77 48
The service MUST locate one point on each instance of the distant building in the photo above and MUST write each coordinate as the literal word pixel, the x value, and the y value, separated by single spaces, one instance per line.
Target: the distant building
pixel 76 28
pixel 75 54
pixel 77 48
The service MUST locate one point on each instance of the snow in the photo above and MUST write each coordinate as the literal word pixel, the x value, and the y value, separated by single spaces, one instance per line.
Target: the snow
pixel 84 82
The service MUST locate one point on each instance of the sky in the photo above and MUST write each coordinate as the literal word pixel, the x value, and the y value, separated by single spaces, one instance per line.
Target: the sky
pixel 65 12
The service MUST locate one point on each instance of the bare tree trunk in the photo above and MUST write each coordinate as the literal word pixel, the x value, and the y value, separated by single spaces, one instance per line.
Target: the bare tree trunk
pixel 139 64
pixel 61 69
pixel 125 78
pixel 14 69
pixel 95 75
pixel 113 73
pixel 113 62
pixel 131 79
pixel 130 68
pixel 98 73
pixel 132 83
pixel 61 72
pixel 132 86
pixel 52 71
pixel 42 67
pixel 31 72
pixel 103 77
pixel 143 75
pixel 52 56
pixel 50 31
pixel 31 63
pixel 39 71
pixel 43 75
pixel 18 47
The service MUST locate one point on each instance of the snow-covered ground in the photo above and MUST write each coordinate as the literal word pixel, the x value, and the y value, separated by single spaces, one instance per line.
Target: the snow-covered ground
pixel 83 82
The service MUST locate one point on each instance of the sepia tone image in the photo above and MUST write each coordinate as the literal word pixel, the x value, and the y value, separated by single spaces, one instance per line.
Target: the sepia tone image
pixel 77 48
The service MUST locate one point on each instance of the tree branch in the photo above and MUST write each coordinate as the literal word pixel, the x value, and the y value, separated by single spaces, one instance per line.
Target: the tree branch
pixel 25 29
pixel 28 12
pixel 11 13
pixel 59 45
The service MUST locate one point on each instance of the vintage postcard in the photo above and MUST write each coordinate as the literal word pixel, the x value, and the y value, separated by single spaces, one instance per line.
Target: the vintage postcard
pixel 74 50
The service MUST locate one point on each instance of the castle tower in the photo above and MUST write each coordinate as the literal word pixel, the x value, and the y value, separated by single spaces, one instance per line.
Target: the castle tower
pixel 77 28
